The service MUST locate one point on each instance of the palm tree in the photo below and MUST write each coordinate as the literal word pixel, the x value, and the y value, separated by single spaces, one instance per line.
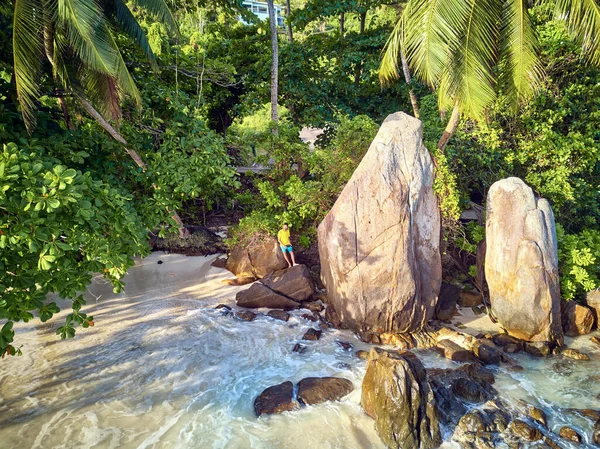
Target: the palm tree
pixel 274 66
pixel 76 37
pixel 468 50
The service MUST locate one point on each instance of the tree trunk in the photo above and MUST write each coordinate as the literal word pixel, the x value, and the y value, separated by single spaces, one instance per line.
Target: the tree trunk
pixel 134 154
pixel 359 66
pixel 342 22
pixel 274 67
pixel 363 20
pixel 450 128
pixel 408 79
pixel 289 25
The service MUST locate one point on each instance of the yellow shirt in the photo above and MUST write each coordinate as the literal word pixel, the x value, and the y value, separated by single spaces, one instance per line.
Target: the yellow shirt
pixel 284 237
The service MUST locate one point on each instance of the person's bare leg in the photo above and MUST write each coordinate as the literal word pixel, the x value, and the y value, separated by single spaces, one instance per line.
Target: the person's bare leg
pixel 293 258
pixel 287 259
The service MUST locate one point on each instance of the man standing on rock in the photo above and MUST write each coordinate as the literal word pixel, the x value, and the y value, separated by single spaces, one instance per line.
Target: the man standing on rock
pixel 283 237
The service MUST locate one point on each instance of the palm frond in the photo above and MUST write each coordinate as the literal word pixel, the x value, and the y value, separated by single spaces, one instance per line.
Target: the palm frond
pixel 123 78
pixel 521 69
pixel 160 10
pixel 28 50
pixel 82 23
pixel 470 76
pixel 428 36
pixel 132 28
pixel 583 20
pixel 101 90
pixel 388 69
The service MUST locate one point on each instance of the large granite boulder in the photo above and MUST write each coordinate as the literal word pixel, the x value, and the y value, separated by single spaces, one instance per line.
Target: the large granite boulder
pixel 259 295
pixel 276 399
pixel 521 263
pixel 576 319
pixel 257 260
pixel 592 299
pixel 379 244
pixel 396 393
pixel 296 283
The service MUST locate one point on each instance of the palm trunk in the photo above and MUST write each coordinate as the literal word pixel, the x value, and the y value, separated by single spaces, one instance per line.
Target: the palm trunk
pixel 342 23
pixel 450 128
pixel 359 66
pixel 408 79
pixel 49 49
pixel 134 154
pixel 363 20
pixel 290 32
pixel 274 67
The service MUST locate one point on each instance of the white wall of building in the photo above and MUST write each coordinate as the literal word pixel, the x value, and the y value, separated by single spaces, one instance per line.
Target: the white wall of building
pixel 261 10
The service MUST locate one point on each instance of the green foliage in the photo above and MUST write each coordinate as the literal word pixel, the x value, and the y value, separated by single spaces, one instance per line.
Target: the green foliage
pixel 58 227
pixel 578 266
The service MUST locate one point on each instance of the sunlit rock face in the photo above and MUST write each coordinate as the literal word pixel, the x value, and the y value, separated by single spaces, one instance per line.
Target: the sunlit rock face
pixel 379 244
pixel 521 264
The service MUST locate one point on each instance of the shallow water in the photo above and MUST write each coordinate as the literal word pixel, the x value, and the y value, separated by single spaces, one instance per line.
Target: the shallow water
pixel 160 370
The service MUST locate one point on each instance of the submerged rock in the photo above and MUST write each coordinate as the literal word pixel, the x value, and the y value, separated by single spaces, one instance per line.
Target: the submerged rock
pixel 524 431
pixel 521 263
pixel 575 354
pixel 259 295
pixel 257 260
pixel 379 244
pixel 314 390
pixel 310 317
pixel 245 315
pixel 570 434
pixel 347 346
pixel 396 393
pixel 295 283
pixel 276 399
pixel 312 334
pixel 300 349
pixel 576 319
pixel 279 315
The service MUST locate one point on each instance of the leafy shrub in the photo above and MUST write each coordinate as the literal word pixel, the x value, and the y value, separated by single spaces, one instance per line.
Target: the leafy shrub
pixel 578 266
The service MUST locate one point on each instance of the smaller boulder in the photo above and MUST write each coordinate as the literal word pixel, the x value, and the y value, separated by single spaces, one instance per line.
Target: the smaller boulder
pixel 257 260
pixel 310 317
pixel 275 399
pixel 279 315
pixel 537 348
pixel 574 354
pixel 346 346
pixel 453 351
pixel 315 390
pixel 524 431
pixel 487 352
pixel 470 298
pixel 445 307
pixel 539 416
pixel 592 300
pixel 363 355
pixel 223 307
pixel 300 349
pixel 576 319
pixel 596 340
pixel 570 434
pixel 258 295
pixel 596 433
pixel 219 262
pixel 313 306
pixel 312 334
pixel 295 283
pixel 469 390
pixel 245 315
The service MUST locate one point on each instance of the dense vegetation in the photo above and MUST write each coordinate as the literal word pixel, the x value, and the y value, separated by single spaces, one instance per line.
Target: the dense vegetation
pixel 80 195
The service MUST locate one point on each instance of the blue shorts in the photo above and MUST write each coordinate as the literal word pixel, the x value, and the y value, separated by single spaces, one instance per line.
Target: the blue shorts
pixel 286 249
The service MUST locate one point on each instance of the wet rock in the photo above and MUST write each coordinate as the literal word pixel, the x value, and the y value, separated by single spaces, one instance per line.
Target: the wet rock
pixel 538 415
pixel 575 354
pixel 487 352
pixel 479 373
pixel 300 349
pixel 396 393
pixel 219 262
pixel 596 340
pixel 368 336
pixel 256 261
pixel 276 399
pixel 379 244
pixel 279 315
pixel 363 355
pixel 245 315
pixel 563 367
pixel 223 306
pixel 453 351
pixel 470 298
pixel 551 443
pixel 295 283
pixel 510 344
pixel 524 431
pixel 310 317
pixel 314 306
pixel 537 349
pixel 160 262
pixel 445 308
pixel 570 434
pixel 314 390
pixel 589 413
pixel 469 390
pixel 258 295
pixel 521 262
pixel 332 317
pixel 596 433
pixel 346 346
pixel 312 334
pixel 576 319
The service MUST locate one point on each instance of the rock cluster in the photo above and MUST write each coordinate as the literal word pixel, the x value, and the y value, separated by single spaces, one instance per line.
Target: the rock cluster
pixel 379 244
pixel 257 260
pixel 521 263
